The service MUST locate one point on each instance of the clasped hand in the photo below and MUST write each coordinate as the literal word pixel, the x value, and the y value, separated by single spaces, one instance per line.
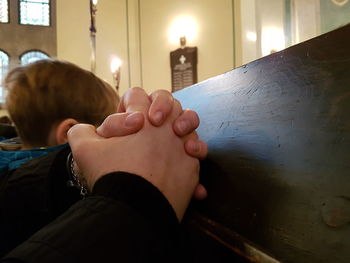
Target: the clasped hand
pixel 151 137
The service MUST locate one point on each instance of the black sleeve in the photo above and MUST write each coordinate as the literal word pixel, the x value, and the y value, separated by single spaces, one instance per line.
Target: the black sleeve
pixel 32 196
pixel 126 219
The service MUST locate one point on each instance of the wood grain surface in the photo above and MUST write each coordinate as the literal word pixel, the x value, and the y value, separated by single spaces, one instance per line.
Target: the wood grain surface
pixel 278 130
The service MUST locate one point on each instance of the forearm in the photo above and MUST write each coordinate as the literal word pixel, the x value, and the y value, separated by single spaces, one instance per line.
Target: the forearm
pixel 126 219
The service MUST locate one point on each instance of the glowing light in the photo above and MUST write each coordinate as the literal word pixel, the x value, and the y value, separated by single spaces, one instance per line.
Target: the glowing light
pixel 94 2
pixel 272 40
pixel 251 36
pixel 183 26
pixel 115 64
pixel 340 2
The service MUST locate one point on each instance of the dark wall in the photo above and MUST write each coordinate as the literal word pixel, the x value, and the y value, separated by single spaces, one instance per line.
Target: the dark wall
pixel 16 39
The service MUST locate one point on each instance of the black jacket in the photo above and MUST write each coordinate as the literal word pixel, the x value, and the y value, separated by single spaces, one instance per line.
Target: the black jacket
pixel 126 219
pixel 32 196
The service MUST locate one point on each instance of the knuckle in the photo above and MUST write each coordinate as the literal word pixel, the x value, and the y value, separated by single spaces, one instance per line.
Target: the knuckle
pixel 193 116
pixel 162 98
pixel 165 91
pixel 135 89
pixel 107 120
pixel 75 129
pixel 161 92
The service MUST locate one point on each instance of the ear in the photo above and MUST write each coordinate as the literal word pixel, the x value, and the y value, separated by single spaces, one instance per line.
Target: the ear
pixel 62 129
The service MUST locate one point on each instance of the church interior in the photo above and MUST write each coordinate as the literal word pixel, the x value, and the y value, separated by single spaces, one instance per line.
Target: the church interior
pixel 276 74
pixel 143 33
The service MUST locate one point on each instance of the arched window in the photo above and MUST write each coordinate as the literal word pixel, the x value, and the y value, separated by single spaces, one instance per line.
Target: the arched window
pixel 34 12
pixel 32 56
pixel 4 66
pixel 4 11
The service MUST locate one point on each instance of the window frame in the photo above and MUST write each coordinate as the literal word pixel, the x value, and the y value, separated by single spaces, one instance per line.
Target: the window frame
pixel 2 99
pixel 19 14
pixel 29 51
pixel 8 14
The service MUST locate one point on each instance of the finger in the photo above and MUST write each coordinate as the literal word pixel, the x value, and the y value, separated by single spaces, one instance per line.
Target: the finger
pixel 176 111
pixel 186 123
pixel 80 133
pixel 134 99
pixel 121 124
pixel 161 106
pixel 200 192
pixel 196 148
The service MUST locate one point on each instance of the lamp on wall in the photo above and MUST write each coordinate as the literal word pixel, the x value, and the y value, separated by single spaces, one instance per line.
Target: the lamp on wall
pixel 340 2
pixel 115 69
pixel 183 41
pixel 93 10
pixel 183 28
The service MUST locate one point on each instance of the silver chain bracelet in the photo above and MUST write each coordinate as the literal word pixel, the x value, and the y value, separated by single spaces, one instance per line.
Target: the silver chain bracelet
pixel 75 177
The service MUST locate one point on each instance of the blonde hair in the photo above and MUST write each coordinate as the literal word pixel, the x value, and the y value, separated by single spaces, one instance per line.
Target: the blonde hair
pixel 46 92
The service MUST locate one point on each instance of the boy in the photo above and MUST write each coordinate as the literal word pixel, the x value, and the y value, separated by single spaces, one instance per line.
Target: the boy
pixel 44 100
pixel 48 97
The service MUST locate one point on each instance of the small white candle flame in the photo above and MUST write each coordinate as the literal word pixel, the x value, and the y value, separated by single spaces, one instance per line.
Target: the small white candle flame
pixel 94 2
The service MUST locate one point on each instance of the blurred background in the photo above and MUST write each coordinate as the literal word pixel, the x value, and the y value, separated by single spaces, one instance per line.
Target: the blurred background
pixel 142 33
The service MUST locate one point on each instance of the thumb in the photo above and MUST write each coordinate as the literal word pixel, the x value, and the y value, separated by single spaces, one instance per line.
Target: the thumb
pixel 121 124
pixel 81 133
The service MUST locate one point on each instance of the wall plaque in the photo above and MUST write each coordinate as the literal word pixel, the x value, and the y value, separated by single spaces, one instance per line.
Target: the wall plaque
pixel 183 62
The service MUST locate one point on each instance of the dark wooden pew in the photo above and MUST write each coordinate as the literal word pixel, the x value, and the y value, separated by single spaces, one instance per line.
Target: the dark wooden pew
pixel 278 170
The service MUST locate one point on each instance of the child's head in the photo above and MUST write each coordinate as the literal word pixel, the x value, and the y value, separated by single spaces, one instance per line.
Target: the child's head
pixel 47 97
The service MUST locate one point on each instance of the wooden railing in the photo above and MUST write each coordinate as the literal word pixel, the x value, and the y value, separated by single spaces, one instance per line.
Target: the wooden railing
pixel 278 170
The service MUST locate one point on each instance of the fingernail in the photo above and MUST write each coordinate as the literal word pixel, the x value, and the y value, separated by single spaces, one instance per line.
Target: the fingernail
pixel 182 126
pixel 158 117
pixel 133 119
pixel 196 146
